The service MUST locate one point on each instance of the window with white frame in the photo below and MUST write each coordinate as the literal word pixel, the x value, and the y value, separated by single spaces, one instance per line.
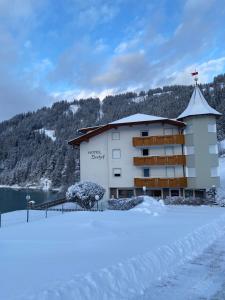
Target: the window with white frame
pixel 115 135
pixel 188 129
pixel 117 172
pixel 213 149
pixel 170 172
pixel 190 172
pixel 214 171
pixel 212 127
pixel 116 153
pixel 188 150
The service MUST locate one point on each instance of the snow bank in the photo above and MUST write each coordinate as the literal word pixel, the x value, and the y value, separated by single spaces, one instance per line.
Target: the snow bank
pixel 130 278
pixel 67 205
pixel 150 206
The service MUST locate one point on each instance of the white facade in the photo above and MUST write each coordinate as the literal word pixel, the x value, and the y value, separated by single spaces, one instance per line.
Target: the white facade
pixel 113 151
pixel 167 156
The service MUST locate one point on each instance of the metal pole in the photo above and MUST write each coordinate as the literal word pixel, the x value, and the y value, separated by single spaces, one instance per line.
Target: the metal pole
pixel 0 219
pixel 27 212
pixel 62 208
pixel 46 212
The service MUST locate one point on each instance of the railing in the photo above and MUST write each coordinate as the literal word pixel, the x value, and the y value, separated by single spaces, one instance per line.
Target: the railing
pixel 180 182
pixel 158 140
pixel 160 160
pixel 46 205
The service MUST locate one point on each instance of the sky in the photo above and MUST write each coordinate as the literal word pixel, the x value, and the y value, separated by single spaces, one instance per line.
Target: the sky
pixel 54 50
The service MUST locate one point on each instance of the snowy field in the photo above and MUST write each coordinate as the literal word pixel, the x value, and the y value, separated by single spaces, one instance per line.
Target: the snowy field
pixel 100 255
pixel 110 255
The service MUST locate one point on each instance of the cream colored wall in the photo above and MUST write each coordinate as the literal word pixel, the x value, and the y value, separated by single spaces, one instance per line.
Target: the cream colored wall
pixel 99 168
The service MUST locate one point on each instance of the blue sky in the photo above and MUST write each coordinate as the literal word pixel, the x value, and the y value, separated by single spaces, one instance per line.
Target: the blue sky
pixel 66 49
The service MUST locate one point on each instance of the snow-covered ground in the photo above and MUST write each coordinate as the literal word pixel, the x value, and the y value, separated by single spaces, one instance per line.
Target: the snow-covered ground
pixel 148 252
pixel 100 255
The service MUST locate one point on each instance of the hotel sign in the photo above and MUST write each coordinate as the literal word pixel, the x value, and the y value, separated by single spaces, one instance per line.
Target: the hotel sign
pixel 97 154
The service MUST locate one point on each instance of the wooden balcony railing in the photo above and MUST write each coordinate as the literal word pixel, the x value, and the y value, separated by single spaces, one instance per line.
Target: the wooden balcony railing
pixel 158 140
pixel 161 182
pixel 160 160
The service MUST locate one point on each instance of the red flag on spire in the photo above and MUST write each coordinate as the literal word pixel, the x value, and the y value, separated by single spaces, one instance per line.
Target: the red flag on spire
pixel 194 73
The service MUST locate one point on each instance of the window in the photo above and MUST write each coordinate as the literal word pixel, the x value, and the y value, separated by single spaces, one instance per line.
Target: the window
pixel 188 129
pixel 146 172
pixel 144 133
pixel 169 150
pixel 170 172
pixel 117 172
pixel 212 127
pixel 214 172
pixel 175 193
pixel 168 131
pixel 188 193
pixel 213 149
pixel 145 152
pixel 190 172
pixel 188 150
pixel 115 135
pixel 116 153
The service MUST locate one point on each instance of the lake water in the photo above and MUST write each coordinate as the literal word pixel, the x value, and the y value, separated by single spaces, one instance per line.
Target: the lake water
pixel 11 199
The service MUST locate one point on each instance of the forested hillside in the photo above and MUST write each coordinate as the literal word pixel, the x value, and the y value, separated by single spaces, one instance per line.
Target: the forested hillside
pixel 34 145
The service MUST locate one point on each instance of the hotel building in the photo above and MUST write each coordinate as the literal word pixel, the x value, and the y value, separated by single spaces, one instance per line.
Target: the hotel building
pixel 168 157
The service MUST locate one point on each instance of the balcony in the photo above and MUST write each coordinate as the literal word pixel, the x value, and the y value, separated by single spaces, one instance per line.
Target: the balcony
pixel 160 160
pixel 158 140
pixel 161 182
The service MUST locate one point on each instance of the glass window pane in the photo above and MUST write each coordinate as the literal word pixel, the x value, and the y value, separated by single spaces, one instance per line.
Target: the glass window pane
pixel 116 153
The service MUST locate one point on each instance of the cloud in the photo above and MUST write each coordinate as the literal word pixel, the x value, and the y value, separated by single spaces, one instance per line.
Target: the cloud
pixel 18 93
pixel 124 70
pixel 70 95
pixel 207 71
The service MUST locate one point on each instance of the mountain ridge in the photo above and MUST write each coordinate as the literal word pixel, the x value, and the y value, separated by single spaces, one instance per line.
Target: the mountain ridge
pixel 34 145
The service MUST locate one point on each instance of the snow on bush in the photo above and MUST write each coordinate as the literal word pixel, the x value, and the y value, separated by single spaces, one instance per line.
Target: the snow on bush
pixel 185 201
pixel 150 206
pixel 124 203
pixel 84 193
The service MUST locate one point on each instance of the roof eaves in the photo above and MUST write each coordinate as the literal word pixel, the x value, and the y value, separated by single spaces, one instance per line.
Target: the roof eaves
pixel 99 130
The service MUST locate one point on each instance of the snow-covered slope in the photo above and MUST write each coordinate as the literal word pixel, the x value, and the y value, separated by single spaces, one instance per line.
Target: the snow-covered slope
pixel 48 133
pixel 100 255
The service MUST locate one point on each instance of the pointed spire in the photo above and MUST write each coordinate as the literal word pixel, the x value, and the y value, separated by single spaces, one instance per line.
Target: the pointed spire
pixel 198 106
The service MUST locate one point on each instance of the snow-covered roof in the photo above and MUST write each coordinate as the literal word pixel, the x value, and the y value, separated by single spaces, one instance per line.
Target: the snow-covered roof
pixel 138 118
pixel 198 106
pixel 135 119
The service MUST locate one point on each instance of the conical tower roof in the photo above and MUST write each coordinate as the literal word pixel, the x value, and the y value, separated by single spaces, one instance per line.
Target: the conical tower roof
pixel 198 106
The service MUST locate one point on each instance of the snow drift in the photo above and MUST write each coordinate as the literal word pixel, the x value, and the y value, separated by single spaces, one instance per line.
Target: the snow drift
pixel 129 278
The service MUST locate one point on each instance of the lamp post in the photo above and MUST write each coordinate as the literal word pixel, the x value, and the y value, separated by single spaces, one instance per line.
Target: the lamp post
pixel 144 190
pixel 97 199
pixel 29 204
pixel 27 199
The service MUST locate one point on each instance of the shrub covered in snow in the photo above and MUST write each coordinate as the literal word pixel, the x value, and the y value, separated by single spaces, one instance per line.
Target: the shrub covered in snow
pixel 124 203
pixel 185 201
pixel 84 193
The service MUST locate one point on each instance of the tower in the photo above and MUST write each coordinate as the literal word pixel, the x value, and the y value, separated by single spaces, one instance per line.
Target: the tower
pixel 200 142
